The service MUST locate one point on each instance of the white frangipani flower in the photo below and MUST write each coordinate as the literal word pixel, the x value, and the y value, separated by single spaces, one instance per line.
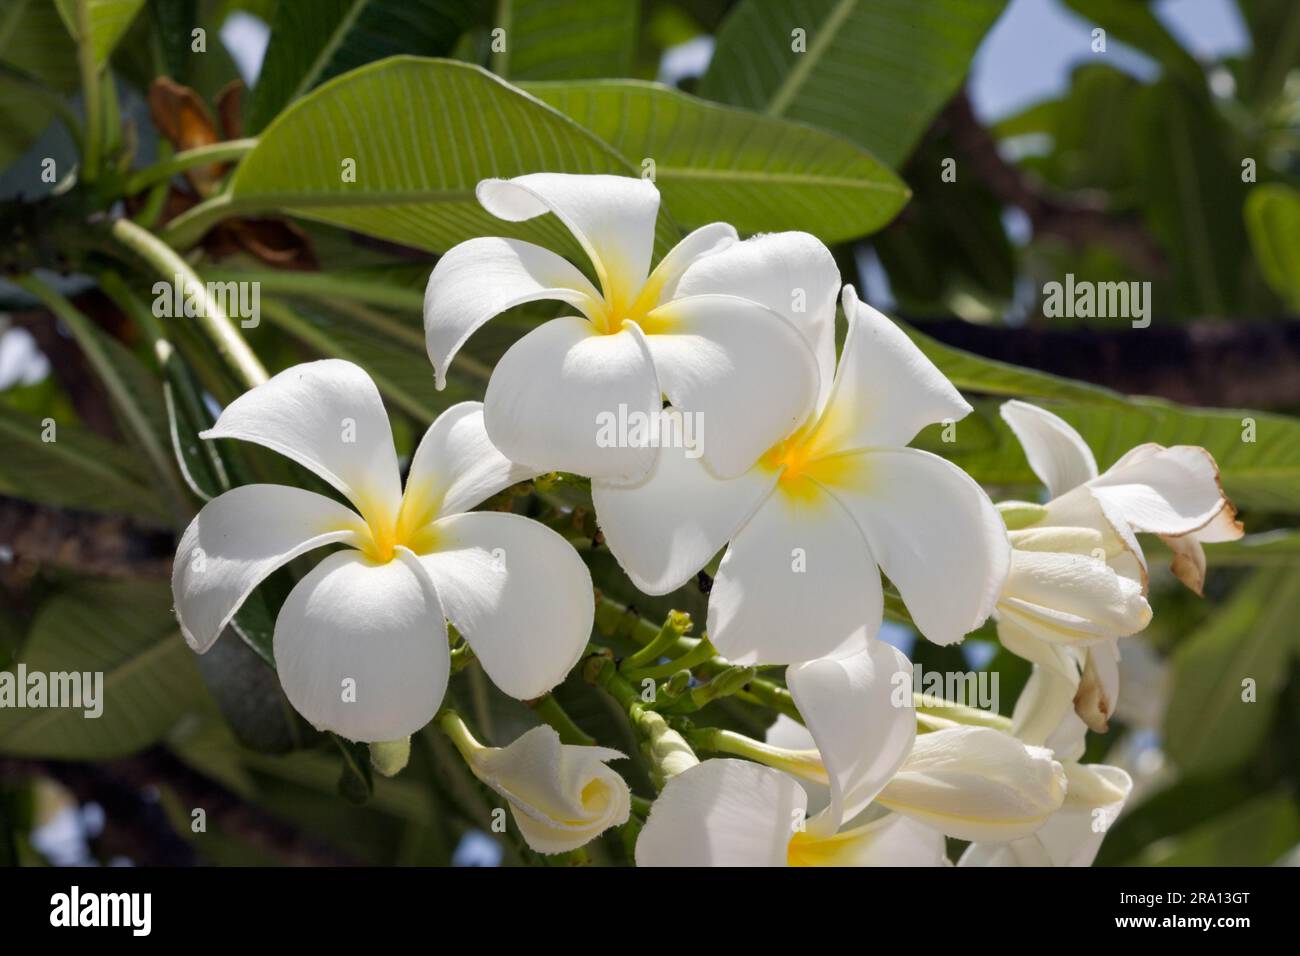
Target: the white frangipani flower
pixel 710 344
pixel 813 518
pixel 1094 798
pixel 1078 575
pixel 970 782
pixel 361 642
pixel 562 796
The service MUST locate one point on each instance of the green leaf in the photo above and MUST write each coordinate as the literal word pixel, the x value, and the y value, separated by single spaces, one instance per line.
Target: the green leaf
pixel 398 365
pixel 1266 549
pixel 1273 224
pixel 76 469
pixel 109 20
pixel 875 71
pixel 1257 833
pixel 1275 42
pixel 34 40
pixel 563 40
pixel 713 162
pixel 127 632
pixel 1209 728
pixel 415 181
pixel 1135 23
pixel 313 42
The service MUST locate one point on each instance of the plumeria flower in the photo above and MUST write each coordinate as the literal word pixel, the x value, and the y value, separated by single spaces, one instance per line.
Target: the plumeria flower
pixel 707 345
pixel 1094 798
pixel 1078 578
pixel 813 518
pixel 361 642
pixel 562 796
pixel 861 745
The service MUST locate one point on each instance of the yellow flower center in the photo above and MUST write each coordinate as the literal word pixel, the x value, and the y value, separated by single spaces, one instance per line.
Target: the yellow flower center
pixel 805 460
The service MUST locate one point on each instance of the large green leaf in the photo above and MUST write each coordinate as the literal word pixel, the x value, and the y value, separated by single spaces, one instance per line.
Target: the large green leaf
pixel 108 21
pixel 34 41
pixel 77 469
pixel 875 71
pixel 126 632
pixel 415 180
pixel 563 40
pixel 312 42
pixel 714 162
pixel 1273 224
pixel 1209 728
pixel 1257 833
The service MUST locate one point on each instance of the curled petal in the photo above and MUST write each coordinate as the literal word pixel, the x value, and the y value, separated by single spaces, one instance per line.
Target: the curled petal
pixel 664 281
pixel 1071 597
pixel 885 389
pixel 1163 490
pixel 361 648
pixel 723 813
pixel 1057 453
pixel 863 726
pixel 933 530
pixel 456 467
pixel 484 277
pixel 557 394
pixel 791 273
pixel 666 528
pixel 237 540
pixel 562 796
pixel 745 372
pixel 517 592
pixel 612 217
pixel 975 783
pixel 797 583
pixel 328 417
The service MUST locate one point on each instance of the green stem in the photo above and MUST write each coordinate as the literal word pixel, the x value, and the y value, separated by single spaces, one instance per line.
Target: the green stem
pixel 188 228
pixel 677 624
pixel 549 709
pixel 806 764
pixel 164 170
pixel 90 157
pixel 212 318
pixel 89 339
pixel 697 652
pixel 459 734
pixel 667 750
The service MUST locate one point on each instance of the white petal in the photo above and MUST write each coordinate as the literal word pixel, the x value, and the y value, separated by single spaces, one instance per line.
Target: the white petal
pixel 1068 597
pixel 1057 453
pixel 481 278
pixel 1162 490
pixel 664 280
pixel 517 592
pixel 562 796
pixel 745 370
pixel 237 540
pixel 975 783
pixel 934 532
pixel 859 710
pixel 885 390
pixel 554 389
pixel 797 583
pixel 1044 703
pixel 612 217
pixel 1071 836
pixel 890 840
pixel 361 648
pixel 793 274
pixel 722 813
pixel 668 527
pixel 456 467
pixel 328 417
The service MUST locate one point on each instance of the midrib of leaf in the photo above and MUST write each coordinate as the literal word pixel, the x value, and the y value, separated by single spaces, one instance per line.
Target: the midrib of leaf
pixel 762 176
pixel 327 52
pixel 504 19
pixel 805 62
pixel 111 679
